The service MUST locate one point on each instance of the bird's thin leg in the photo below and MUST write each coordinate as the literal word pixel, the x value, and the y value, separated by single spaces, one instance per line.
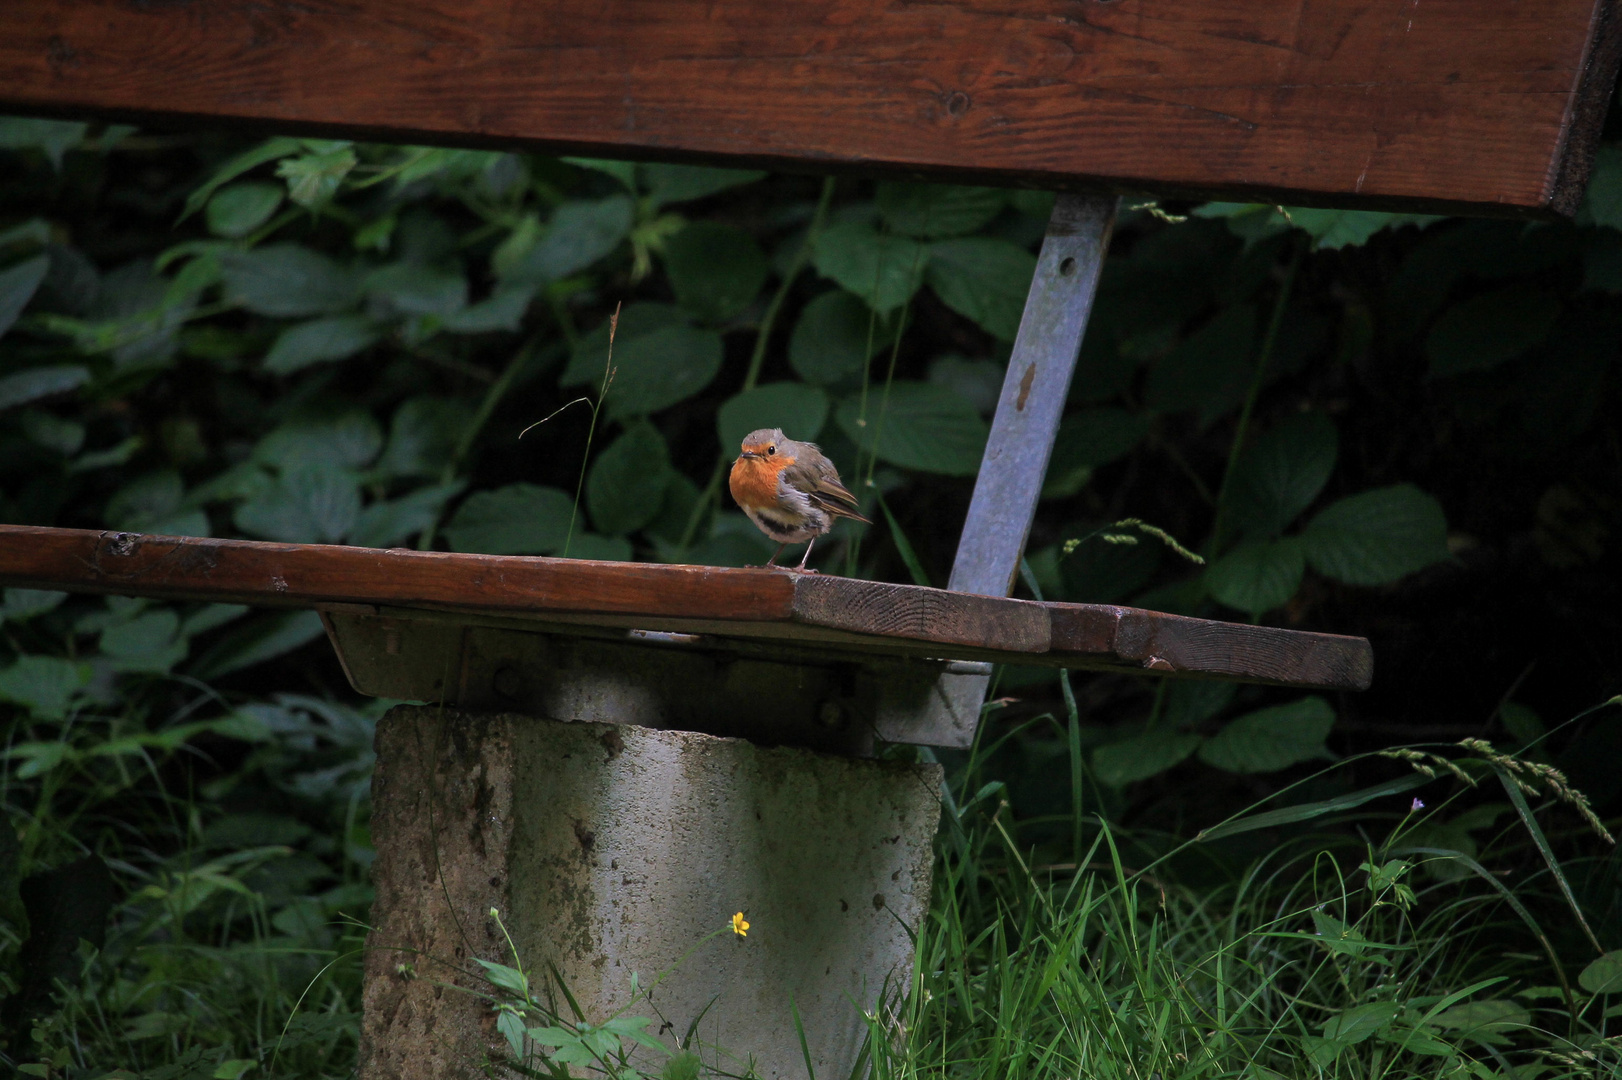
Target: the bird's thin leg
pixel 807 554
pixel 773 560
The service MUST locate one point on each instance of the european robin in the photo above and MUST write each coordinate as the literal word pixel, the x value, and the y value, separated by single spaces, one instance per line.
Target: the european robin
pixel 789 489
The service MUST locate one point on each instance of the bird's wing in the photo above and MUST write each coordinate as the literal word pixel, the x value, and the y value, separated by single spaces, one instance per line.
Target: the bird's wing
pixel 820 482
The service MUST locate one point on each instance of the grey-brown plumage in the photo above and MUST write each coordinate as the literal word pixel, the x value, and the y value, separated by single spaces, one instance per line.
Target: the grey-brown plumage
pixel 789 489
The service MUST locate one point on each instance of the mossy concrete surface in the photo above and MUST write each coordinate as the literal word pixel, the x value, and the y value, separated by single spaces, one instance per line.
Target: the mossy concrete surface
pixel 617 849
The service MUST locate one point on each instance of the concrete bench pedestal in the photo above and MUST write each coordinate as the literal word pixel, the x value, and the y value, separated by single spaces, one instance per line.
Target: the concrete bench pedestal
pixel 613 848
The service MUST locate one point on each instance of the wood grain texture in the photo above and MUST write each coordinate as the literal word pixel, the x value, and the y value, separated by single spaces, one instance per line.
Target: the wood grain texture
pixel 1488 105
pixel 780 613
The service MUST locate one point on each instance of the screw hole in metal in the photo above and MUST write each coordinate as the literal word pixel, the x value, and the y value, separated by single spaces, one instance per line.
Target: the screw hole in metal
pixel 1067 268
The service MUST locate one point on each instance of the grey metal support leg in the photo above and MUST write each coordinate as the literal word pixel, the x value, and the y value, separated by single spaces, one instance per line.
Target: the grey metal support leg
pixel 1022 433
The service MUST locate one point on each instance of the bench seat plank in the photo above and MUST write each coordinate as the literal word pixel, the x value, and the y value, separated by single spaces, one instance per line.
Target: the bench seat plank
pixel 1452 104
pixel 813 611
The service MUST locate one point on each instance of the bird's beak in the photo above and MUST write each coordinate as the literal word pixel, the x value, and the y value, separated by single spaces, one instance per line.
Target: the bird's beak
pixel 748 454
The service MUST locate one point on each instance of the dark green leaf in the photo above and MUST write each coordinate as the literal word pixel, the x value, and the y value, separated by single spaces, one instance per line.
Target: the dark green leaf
pixel 578 235
pixel 1271 739
pixel 332 338
pixel 248 159
pixel 350 440
pixel 65 437
pixel 1484 331
pixel 385 524
pixel 52 137
pixel 45 684
pixel 503 310
pixel 311 503
pixel 145 643
pixel 287 281
pixel 921 427
pixel 683 183
pixel 983 279
pixel 17 286
pixel 1377 537
pixel 1257 576
pixel 883 270
pixel 313 179
pixel 1487 1021
pixel 716 270
pixel 32 384
pixel 423 435
pixel 834 336
pixel 931 210
pixel 1210 370
pixel 519 519
pixel 145 500
pixel 657 370
pixel 979 382
pixel 1603 976
pixel 627 481
pixel 798 409
pixel 239 209
pixel 1141 756
pixel 1602 203
pixel 1280 474
pixel 1361 1021
pixel 20 605
pixel 263 637
pixel 416 289
pixel 589 356
pixel 1332 229
pixel 585 545
pixel 1087 439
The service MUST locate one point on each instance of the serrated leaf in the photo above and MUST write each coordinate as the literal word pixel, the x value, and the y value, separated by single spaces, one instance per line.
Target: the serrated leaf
pixel 1377 537
pixel 983 279
pixel 519 519
pixel 1280 474
pixel 1257 576
pixel 394 521
pixel 287 281
pixel 669 184
pixel 715 270
pixel 627 481
pixel 348 440
pixel 931 210
pixel 319 340
pixel 578 235
pixel 32 384
pixel 1603 976
pixel 834 337
pixel 239 209
pixel 1142 756
pixel 313 179
pixel 423 434
pixel 657 370
pixel 1485 331
pixel 798 409
pixel 17 286
pixel 309 503
pixel 920 426
pixel 590 353
pixel 883 270
pixel 1271 739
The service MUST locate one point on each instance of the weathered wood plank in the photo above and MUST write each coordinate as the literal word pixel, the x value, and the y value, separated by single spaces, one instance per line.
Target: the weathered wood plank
pixel 1471 104
pixel 774 609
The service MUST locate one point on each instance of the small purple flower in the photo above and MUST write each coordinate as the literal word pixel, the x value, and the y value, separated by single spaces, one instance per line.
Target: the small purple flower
pixel 1416 807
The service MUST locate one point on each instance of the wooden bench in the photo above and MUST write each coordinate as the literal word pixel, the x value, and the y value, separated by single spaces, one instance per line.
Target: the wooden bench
pixel 1468 106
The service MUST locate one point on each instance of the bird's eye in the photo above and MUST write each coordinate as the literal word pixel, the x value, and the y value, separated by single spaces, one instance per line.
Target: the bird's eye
pixel 771 449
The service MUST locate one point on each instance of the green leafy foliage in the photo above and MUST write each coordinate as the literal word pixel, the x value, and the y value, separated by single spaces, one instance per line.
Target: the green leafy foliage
pixel 918 426
pixel 1271 739
pixel 716 270
pixel 1376 537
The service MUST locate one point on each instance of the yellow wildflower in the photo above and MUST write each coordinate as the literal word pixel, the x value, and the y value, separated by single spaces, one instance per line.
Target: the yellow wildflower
pixel 739 926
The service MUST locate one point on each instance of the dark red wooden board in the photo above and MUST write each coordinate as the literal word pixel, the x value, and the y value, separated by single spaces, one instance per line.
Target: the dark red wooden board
pixel 1483 105
pixel 794 610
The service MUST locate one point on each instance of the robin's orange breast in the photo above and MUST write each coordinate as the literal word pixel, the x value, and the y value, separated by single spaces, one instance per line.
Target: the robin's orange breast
pixel 753 480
